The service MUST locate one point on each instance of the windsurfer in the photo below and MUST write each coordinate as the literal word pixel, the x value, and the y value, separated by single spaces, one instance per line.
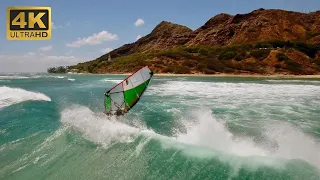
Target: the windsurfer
pixel 120 112
pixel 107 93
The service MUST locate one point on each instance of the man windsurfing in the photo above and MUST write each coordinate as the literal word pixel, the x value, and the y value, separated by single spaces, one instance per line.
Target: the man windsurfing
pixel 122 97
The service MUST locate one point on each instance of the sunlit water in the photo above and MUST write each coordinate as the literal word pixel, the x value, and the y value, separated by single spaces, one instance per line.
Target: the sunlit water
pixel 52 127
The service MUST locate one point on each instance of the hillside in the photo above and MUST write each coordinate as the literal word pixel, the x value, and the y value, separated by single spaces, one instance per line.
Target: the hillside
pixel 261 42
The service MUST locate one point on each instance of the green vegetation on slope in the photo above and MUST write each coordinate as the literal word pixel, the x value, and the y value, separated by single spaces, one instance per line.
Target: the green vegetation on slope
pixel 60 69
pixel 245 58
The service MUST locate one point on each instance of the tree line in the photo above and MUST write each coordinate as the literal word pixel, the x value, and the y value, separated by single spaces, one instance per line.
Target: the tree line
pixel 59 69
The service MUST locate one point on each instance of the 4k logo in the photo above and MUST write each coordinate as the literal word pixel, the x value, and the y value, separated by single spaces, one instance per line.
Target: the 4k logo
pixel 29 23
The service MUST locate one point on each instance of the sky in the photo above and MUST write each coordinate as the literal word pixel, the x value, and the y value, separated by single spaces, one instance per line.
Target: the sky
pixel 84 30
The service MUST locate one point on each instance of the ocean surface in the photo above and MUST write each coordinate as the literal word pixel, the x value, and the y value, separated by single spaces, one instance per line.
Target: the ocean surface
pixel 52 127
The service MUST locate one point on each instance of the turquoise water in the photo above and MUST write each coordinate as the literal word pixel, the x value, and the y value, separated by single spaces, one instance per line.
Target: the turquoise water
pixel 51 127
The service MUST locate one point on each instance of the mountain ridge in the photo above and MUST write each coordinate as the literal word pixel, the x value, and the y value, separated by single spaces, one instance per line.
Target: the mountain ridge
pixel 227 24
pixel 259 29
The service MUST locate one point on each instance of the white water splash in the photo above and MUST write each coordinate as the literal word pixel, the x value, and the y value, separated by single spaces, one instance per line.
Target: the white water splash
pixel 208 132
pixel 290 143
pixel 10 96
pixel 97 126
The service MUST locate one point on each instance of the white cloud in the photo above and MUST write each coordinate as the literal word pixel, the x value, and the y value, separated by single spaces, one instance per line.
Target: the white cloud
pixel 139 22
pixel 96 38
pixel 106 50
pixel 45 48
pixel 30 54
pixel 32 62
pixel 60 26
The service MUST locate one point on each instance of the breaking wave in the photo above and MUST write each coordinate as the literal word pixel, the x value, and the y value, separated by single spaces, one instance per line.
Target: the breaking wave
pixel 293 81
pixel 98 127
pixel 10 96
pixel 13 77
pixel 283 141
pixel 203 135
pixel 71 79
pixel 112 80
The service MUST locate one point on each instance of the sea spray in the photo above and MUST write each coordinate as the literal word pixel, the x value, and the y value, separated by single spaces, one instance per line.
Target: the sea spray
pixel 97 126
pixel 293 143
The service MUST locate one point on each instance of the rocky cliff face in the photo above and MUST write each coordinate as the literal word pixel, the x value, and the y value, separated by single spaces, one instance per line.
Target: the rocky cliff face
pixel 259 25
pixel 164 36
pixel 267 41
pixel 225 29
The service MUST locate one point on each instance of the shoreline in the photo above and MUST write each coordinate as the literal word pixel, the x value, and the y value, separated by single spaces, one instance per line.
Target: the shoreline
pixel 243 75
pixel 317 76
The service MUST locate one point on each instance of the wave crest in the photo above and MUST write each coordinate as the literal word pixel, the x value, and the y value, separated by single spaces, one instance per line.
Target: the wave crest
pixel 10 96
pixel 97 126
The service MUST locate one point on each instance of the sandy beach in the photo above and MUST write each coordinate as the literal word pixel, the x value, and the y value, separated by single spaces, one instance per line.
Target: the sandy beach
pixel 317 76
pixel 244 75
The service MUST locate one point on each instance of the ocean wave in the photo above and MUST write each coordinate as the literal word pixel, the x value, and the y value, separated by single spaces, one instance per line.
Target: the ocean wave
pixel 283 142
pixel 71 79
pixel 199 134
pixel 13 77
pixel 292 81
pixel 9 77
pixel 10 96
pixel 203 132
pixel 218 89
pixel 97 126
pixel 56 77
pixel 112 80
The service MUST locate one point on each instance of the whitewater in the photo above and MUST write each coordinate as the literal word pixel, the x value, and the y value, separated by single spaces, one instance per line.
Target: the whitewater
pixel 52 127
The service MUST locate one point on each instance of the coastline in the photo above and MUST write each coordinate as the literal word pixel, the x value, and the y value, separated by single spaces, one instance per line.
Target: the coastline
pixel 317 76
pixel 244 75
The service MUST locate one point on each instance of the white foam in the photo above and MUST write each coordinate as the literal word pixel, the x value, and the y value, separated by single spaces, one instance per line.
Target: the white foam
pixel 19 76
pixel 56 77
pixel 233 90
pixel 71 79
pixel 112 80
pixel 97 126
pixel 292 143
pixel 203 136
pixel 206 131
pixel 292 81
pixel 19 169
pixel 10 96
pixel 36 160
pixel 13 77
pixel 288 142
pixel 247 100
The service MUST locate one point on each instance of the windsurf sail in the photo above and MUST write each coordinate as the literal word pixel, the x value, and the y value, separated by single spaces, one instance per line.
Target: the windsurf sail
pixel 122 97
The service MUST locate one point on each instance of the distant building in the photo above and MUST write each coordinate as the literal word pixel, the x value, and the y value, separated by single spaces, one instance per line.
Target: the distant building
pixel 109 58
pixel 74 70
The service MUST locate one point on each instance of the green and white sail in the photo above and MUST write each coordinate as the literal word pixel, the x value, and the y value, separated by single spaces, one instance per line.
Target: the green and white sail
pixel 127 93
